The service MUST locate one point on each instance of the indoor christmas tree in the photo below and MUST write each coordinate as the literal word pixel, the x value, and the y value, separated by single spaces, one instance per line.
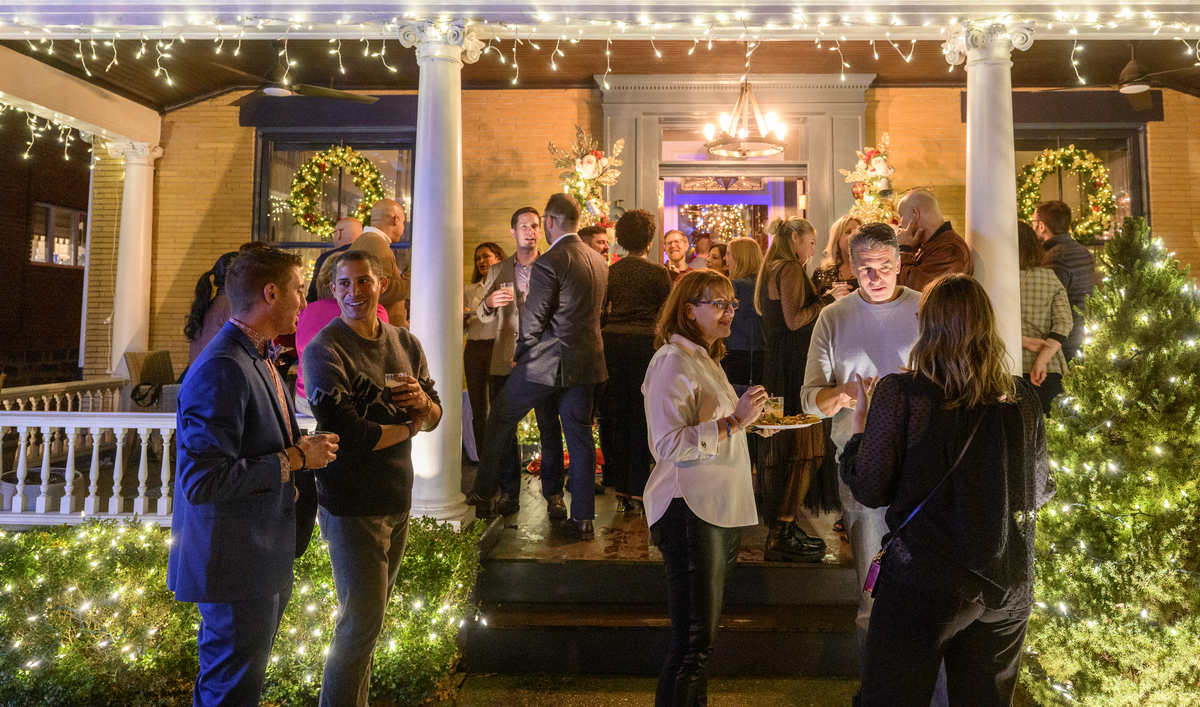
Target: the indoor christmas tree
pixel 1117 619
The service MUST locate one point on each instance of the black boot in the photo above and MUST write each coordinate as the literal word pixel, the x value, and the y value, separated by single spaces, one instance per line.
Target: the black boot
pixel 783 545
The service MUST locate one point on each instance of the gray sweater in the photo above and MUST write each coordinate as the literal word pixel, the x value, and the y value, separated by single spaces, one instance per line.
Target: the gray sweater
pixel 343 378
pixel 853 337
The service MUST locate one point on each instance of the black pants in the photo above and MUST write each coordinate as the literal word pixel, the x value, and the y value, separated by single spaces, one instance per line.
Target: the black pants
pixel 477 361
pixel 1050 389
pixel 550 434
pixel 699 558
pixel 623 435
pixel 573 406
pixel 913 629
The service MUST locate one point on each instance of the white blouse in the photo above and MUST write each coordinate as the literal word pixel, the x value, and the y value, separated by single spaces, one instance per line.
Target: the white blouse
pixel 687 395
pixel 472 296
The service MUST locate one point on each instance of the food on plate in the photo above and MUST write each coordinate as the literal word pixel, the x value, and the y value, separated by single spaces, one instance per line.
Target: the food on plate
pixel 773 419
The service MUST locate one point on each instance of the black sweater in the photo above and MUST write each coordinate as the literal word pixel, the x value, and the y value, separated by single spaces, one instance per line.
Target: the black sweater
pixel 343 377
pixel 974 538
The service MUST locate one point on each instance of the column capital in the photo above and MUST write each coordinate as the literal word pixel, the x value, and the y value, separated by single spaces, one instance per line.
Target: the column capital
pixel 448 41
pixel 135 152
pixel 974 42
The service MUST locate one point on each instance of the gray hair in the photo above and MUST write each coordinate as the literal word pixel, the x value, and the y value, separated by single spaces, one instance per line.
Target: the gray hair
pixel 872 237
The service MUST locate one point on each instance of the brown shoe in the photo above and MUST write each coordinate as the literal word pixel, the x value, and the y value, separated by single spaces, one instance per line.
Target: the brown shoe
pixel 556 508
pixel 508 505
pixel 581 529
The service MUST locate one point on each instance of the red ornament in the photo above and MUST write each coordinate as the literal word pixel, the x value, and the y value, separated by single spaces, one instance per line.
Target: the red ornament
pixel 859 189
pixel 1096 208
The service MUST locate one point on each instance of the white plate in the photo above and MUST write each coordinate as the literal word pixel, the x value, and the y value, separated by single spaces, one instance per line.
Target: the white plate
pixel 784 427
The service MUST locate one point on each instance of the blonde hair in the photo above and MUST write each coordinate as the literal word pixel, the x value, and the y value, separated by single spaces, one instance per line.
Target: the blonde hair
pixel 781 230
pixel 325 277
pixel 747 257
pixel 833 251
pixel 959 347
pixel 694 286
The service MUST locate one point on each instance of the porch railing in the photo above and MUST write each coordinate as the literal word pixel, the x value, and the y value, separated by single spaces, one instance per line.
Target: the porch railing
pixel 111 465
pixel 95 395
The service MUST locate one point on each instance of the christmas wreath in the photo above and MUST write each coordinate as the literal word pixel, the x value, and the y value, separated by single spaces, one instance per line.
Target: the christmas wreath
pixel 1099 207
pixel 305 196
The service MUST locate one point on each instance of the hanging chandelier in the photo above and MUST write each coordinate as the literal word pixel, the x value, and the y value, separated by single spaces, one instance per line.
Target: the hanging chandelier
pixel 736 138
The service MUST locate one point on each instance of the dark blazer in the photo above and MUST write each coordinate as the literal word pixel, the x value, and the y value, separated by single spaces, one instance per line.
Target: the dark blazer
pixel 509 315
pixel 233 525
pixel 560 340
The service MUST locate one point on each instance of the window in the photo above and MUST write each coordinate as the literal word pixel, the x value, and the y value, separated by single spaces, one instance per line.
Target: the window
pixel 1120 151
pixel 58 236
pixel 280 157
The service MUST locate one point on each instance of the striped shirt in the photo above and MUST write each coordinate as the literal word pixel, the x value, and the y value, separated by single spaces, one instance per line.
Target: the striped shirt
pixel 1045 314
pixel 1076 270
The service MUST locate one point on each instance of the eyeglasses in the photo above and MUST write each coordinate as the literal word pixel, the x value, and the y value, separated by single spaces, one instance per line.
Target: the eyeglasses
pixel 721 304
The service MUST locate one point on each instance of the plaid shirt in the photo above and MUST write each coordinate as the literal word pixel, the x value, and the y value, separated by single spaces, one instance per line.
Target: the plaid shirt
pixel 1045 314
pixel 1076 269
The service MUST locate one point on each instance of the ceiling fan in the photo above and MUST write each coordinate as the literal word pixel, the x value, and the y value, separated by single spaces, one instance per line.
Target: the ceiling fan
pixel 295 89
pixel 1135 81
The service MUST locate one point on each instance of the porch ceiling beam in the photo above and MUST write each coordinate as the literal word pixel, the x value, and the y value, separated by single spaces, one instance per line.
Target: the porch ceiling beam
pixel 44 91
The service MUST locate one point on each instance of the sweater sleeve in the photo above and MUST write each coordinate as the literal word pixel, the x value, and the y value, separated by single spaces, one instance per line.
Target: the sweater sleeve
pixel 872 460
pixel 331 396
pixel 818 371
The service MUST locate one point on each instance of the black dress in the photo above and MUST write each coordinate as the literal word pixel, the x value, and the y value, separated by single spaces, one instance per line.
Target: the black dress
pixel 794 468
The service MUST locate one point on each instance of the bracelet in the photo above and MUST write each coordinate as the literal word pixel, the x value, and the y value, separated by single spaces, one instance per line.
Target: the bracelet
pixel 728 429
pixel 303 458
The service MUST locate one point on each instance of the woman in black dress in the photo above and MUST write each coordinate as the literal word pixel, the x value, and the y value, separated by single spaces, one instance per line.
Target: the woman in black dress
pixel 791 469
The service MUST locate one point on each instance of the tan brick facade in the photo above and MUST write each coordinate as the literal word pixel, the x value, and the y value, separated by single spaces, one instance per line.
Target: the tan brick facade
pixel 1174 156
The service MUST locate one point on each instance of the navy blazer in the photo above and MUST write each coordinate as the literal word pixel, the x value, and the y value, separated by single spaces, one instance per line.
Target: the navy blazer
pixel 233 526
pixel 560 342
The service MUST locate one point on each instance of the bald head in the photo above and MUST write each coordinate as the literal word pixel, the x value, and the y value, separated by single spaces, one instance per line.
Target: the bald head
pixel 388 216
pixel 920 205
pixel 346 231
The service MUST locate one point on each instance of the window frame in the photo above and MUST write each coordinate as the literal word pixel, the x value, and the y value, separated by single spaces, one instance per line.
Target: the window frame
pixel 78 218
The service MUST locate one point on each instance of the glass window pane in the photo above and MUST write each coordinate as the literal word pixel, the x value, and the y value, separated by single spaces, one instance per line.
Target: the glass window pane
pixel 64 228
pixel 39 226
pixel 283 165
pixel 81 240
pixel 729 207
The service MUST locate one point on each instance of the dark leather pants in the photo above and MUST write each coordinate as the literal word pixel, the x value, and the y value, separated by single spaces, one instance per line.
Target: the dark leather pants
pixel 699 558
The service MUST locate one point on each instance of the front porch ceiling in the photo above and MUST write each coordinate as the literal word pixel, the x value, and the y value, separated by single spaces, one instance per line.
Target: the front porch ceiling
pixel 196 73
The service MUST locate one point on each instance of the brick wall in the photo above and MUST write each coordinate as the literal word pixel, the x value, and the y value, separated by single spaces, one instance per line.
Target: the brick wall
pixel 1174 155
pixel 203 198
pixel 928 142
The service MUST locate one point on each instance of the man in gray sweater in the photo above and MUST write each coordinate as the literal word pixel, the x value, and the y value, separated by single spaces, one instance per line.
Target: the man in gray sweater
pixel 364 499
pixel 868 333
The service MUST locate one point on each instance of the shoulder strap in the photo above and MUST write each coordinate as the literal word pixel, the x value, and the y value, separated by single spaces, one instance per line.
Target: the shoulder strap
pixel 921 505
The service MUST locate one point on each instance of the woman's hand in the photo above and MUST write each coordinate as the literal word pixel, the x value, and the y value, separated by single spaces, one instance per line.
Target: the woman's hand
pixel 839 290
pixel 1029 343
pixel 1037 374
pixel 750 406
pixel 863 390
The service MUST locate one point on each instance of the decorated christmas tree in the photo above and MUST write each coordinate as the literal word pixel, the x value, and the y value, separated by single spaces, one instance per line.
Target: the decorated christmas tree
pixel 872 178
pixel 588 171
pixel 1117 619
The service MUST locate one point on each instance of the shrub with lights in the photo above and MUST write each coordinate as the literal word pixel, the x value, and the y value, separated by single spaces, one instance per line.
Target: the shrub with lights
pixel 1117 622
pixel 86 619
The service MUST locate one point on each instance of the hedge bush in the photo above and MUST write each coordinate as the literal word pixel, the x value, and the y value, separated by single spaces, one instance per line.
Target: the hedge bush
pixel 86 619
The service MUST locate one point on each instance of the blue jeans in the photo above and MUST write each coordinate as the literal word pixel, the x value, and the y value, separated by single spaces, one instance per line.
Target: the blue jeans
pixel 234 645
pixel 365 552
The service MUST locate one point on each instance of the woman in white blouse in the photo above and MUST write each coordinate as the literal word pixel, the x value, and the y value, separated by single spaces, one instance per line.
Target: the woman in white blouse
pixel 700 494
pixel 481 336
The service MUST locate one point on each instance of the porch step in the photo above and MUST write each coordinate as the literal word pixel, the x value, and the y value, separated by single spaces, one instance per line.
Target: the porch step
pixel 632 639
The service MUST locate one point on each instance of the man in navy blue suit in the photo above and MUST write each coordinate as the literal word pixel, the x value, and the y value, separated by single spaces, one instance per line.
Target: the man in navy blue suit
pixel 233 528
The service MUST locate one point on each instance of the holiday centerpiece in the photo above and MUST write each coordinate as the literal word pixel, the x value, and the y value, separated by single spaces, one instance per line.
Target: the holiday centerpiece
pixel 587 172
pixel 1099 206
pixel 872 179
pixel 305 195
pixel 1117 618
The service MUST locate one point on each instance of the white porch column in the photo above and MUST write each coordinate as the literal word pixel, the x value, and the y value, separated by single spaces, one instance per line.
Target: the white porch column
pixel 437 256
pixel 131 296
pixel 991 167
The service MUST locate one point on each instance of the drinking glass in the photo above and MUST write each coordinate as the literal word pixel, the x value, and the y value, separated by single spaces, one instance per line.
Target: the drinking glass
pixel 774 405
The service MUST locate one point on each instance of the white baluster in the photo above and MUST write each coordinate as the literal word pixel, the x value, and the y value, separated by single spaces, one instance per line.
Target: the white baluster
pixel 140 504
pixel 89 395
pixel 68 504
pixel 45 402
pixel 92 505
pixel 58 402
pixel 164 501
pixel 2 428
pixel 18 502
pixel 114 503
pixel 47 445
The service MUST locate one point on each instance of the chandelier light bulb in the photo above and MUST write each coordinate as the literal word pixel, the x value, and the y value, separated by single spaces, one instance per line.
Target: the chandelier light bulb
pixel 780 131
pixel 725 121
pixel 742 133
pixel 709 132
pixel 772 120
